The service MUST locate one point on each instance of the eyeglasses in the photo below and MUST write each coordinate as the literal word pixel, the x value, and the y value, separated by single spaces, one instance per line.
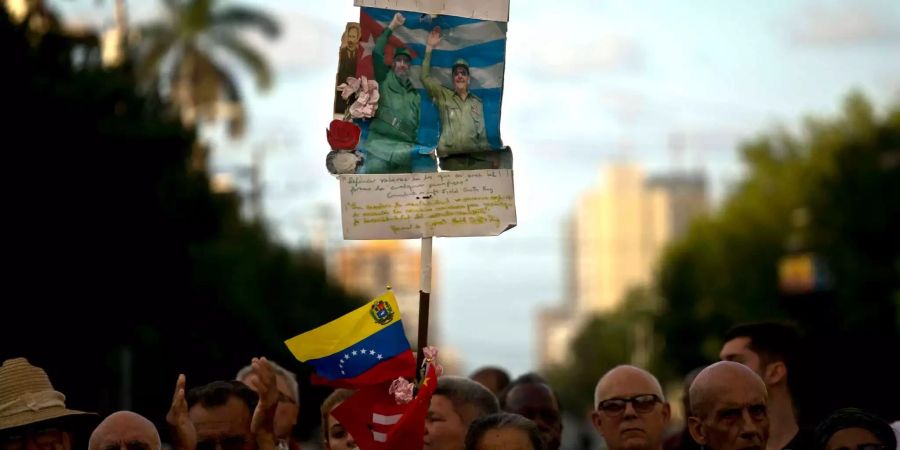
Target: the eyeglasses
pixel 642 404
pixel 44 438
pixel 226 443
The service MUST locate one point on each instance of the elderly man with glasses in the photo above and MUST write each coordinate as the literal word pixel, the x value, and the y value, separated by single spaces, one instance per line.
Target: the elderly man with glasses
pixel 631 412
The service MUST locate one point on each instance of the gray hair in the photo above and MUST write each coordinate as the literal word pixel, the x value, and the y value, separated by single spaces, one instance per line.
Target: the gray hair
pixel 289 377
pixel 470 399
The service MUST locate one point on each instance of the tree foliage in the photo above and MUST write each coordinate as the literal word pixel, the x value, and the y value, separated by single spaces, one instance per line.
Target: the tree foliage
pixel 123 268
pixel 844 173
pixel 185 50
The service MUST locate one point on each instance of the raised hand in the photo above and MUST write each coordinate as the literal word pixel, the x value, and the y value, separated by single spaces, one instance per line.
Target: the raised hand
pixel 434 38
pixel 263 423
pixel 397 21
pixel 178 419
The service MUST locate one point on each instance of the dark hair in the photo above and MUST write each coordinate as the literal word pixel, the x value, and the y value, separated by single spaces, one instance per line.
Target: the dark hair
pixel 855 418
pixel 528 378
pixel 498 373
pixel 217 393
pixel 463 392
pixel 772 341
pixel 502 420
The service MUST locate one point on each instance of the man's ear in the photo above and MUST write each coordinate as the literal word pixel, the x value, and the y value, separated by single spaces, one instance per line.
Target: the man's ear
pixel 597 420
pixel 776 372
pixel 697 430
pixel 666 412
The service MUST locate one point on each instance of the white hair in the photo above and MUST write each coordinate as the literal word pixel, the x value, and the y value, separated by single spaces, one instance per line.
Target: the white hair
pixel 289 378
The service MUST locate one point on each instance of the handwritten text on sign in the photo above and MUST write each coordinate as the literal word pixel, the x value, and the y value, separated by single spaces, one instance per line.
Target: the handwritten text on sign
pixel 415 205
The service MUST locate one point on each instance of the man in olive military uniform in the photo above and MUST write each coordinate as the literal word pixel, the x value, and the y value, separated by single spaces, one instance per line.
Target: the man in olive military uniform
pixel 463 144
pixel 393 131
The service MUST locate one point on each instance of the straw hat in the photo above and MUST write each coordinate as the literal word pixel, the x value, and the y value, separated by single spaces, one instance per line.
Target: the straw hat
pixel 27 397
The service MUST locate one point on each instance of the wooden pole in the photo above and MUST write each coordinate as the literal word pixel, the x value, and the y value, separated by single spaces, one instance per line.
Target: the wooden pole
pixel 424 302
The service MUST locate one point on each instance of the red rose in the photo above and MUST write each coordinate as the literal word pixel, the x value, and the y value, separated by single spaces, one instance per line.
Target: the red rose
pixel 343 135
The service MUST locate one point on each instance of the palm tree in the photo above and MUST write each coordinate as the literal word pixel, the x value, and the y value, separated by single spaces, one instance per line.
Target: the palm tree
pixel 181 52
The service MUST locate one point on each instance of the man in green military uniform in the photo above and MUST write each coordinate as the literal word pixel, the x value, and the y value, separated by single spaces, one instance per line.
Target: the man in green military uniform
pixel 463 144
pixel 392 133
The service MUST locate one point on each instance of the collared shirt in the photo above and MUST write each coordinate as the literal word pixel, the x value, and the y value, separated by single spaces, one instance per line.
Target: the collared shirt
pixel 462 120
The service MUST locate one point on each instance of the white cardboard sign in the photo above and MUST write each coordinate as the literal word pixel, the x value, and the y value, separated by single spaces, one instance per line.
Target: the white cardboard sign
pixel 417 205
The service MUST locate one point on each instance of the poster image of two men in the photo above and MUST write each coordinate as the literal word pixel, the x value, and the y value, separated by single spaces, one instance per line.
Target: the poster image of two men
pixel 437 91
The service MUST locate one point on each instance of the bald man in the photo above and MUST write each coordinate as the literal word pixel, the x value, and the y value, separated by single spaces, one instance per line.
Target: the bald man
pixel 125 430
pixel 728 408
pixel 631 412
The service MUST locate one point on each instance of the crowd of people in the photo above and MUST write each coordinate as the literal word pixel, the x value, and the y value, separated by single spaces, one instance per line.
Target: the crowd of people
pixel 743 402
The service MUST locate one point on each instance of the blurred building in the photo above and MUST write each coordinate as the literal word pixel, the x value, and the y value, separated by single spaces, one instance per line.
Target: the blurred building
pixel 367 267
pixel 617 234
pixel 554 332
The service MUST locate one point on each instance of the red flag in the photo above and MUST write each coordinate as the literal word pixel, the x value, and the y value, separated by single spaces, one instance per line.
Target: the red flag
pixel 410 430
pixel 376 422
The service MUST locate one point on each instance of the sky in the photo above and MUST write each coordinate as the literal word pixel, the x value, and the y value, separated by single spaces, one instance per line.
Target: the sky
pixel 588 83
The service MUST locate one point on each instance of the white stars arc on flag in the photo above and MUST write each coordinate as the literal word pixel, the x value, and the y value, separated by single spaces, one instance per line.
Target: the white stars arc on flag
pixel 361 352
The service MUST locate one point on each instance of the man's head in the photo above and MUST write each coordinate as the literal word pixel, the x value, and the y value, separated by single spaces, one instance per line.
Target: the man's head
pixel 532 397
pixel 33 414
pixel 351 34
pixel 728 408
pixel 493 378
pixel 630 410
pixel 503 431
pixel 402 60
pixel 460 75
pixel 125 430
pixel 456 402
pixel 221 413
pixel 288 397
pixel 686 398
pixel 768 348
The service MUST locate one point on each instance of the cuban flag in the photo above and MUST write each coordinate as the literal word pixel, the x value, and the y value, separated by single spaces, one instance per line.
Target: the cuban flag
pixel 377 422
pixel 482 43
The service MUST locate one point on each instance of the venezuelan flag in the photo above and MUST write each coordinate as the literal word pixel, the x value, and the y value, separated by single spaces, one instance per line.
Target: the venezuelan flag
pixel 364 347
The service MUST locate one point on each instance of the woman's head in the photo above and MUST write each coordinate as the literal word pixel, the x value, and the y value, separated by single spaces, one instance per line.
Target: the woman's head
pixel 854 429
pixel 503 430
pixel 334 436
